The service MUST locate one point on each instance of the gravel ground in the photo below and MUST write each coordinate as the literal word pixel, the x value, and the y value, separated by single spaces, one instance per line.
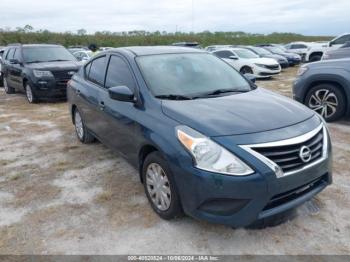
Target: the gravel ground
pixel 58 196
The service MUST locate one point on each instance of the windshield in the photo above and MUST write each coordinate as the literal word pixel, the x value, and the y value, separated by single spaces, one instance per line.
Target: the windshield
pixel 243 53
pixel 189 75
pixel 261 51
pixel 276 49
pixel 39 54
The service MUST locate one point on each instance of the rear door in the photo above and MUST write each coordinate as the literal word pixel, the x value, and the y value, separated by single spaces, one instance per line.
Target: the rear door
pixel 16 69
pixel 8 66
pixel 88 92
pixel 118 120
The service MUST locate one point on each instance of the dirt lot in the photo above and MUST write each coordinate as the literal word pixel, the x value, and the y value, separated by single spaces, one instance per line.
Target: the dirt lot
pixel 58 196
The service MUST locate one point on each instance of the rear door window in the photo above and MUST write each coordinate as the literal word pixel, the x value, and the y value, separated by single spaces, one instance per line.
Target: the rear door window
pixel 97 71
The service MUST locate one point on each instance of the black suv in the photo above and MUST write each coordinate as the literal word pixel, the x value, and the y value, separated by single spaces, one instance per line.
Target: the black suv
pixel 41 71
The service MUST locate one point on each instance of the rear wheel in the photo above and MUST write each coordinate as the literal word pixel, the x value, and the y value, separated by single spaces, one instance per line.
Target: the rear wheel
pixel 327 100
pixel 246 70
pixel 82 132
pixel 31 97
pixel 160 187
pixel 8 89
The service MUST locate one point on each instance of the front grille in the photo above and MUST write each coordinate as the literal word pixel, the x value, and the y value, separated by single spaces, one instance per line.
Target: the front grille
pixel 272 67
pixel 288 156
pixel 63 75
pixel 62 78
pixel 295 193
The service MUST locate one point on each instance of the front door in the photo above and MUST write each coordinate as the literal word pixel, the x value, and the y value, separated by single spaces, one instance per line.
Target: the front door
pixel 118 118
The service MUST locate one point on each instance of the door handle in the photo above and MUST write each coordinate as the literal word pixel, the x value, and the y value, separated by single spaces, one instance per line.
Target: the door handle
pixel 102 105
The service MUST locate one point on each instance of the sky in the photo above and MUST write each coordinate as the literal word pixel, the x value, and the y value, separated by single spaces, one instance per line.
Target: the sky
pixel 309 17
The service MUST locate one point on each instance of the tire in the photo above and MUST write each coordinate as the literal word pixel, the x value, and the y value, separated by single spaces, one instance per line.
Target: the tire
pixel 167 205
pixel 8 89
pixel 81 131
pixel 1 81
pixel 315 58
pixel 31 97
pixel 246 70
pixel 327 100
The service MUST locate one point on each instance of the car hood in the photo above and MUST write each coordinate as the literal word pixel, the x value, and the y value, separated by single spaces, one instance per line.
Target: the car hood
pixel 264 61
pixel 276 57
pixel 59 65
pixel 256 111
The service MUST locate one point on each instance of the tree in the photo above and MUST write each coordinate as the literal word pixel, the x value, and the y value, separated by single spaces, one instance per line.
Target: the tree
pixel 28 28
pixel 82 31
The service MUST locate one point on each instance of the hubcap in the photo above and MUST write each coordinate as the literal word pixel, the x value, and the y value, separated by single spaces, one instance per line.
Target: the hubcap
pixel 324 102
pixel 79 125
pixel 29 93
pixel 158 186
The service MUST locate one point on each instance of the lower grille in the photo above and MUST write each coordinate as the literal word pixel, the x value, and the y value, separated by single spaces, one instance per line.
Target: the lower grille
pixel 295 156
pixel 288 196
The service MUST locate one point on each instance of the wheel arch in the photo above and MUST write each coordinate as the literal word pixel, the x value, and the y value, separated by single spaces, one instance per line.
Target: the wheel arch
pixel 144 151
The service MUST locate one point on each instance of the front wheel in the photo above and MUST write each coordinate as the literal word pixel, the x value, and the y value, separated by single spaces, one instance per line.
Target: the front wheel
pixel 31 97
pixel 327 100
pixel 160 187
pixel 246 70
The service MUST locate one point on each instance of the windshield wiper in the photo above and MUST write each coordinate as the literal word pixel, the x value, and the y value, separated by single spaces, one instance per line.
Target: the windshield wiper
pixel 174 97
pixel 220 91
pixel 35 61
pixel 58 60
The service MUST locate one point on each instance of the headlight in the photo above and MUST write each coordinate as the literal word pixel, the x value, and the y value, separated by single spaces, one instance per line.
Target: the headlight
pixel 261 65
pixel 39 73
pixel 210 156
pixel 302 70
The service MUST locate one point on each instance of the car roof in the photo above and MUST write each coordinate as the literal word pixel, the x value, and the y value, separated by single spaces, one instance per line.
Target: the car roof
pixel 157 50
pixel 33 45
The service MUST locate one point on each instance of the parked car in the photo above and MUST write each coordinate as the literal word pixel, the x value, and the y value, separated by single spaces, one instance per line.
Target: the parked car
pixel 41 71
pixel 267 54
pixel 315 52
pixel 188 44
pixel 337 54
pixel 247 62
pixel 325 87
pixel 205 140
pixel 83 55
pixel 77 48
pixel 1 76
pixel 299 48
pixel 293 59
pixel 212 48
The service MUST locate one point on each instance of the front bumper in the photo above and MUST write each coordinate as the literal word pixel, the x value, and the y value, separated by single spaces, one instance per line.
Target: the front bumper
pixel 50 88
pixel 294 61
pixel 240 201
pixel 260 72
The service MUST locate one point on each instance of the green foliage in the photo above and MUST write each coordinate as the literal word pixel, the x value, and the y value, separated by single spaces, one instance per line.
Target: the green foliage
pixel 116 39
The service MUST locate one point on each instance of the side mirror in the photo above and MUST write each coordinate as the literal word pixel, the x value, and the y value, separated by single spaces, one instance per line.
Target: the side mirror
pixel 250 77
pixel 233 57
pixel 121 93
pixel 14 61
pixel 331 44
